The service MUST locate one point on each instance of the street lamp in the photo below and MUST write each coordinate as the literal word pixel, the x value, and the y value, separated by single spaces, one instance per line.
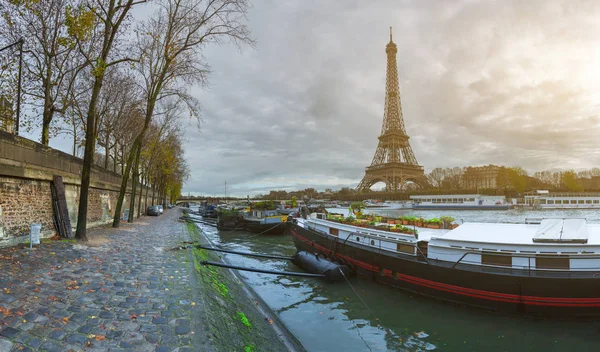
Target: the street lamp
pixel 20 44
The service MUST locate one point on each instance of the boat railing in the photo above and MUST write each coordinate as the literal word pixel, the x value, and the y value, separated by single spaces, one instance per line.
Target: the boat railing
pixel 380 238
pixel 372 235
pixel 529 267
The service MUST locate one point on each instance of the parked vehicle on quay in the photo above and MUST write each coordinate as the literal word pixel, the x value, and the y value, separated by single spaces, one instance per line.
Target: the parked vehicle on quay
pixel 152 210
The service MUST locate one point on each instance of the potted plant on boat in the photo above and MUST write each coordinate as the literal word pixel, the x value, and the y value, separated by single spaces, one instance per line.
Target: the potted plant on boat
pixel 419 222
pixel 391 221
pixel 356 208
pixel 446 221
pixel 434 223
pixel 412 220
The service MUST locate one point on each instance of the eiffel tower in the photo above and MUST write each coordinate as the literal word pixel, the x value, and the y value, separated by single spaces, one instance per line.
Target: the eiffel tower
pixel 394 162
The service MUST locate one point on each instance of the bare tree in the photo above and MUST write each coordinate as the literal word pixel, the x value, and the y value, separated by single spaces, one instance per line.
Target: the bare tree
pixel 436 177
pixel 171 42
pixel 51 62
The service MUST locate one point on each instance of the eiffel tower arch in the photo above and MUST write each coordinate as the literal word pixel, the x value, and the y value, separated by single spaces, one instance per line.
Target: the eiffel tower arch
pixel 394 162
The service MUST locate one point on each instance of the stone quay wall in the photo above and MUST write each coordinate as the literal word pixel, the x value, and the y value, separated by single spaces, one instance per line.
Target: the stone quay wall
pixel 26 172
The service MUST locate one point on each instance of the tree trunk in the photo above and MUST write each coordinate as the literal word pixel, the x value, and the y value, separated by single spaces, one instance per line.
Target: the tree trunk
pixel 106 151
pixel 115 149
pixel 88 159
pixel 134 183
pixel 74 142
pixel 122 159
pixel 139 212
pixel 124 179
pixel 153 190
pixel 147 188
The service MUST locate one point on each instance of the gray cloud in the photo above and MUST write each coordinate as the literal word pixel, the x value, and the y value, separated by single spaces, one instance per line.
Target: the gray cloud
pixel 503 82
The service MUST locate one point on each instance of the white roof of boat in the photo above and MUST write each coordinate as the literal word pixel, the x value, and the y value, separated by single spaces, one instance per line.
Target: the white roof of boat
pixel 519 234
pixel 562 231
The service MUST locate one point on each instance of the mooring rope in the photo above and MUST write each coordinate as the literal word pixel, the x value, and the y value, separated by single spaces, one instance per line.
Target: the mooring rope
pixel 366 306
pixel 352 320
pixel 258 234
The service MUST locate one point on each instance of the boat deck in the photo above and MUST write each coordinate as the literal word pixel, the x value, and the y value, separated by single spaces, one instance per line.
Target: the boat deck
pixel 498 233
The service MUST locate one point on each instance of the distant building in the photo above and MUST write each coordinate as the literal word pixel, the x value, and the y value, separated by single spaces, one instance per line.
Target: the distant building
pixel 7 115
pixel 592 183
pixel 480 177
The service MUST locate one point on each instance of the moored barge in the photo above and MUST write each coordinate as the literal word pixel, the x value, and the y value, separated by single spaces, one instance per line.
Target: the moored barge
pixel 550 269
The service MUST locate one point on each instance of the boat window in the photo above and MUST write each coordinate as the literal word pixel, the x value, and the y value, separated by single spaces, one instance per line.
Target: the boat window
pixel 596 201
pixel 334 232
pixel 588 201
pixel 491 259
pixel 405 248
pixel 542 201
pixel 357 239
pixel 558 201
pixel 556 262
pixel 550 201
pixel 573 201
pixel 580 201
pixel 372 242
pixel 472 199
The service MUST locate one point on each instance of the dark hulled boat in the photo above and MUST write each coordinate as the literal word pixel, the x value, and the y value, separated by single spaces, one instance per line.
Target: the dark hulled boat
pixel 257 221
pixel 552 268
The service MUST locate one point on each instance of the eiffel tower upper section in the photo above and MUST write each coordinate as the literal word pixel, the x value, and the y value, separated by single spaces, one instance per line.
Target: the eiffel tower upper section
pixel 394 162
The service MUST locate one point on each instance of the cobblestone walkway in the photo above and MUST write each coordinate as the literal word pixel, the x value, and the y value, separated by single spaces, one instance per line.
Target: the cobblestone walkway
pixel 127 294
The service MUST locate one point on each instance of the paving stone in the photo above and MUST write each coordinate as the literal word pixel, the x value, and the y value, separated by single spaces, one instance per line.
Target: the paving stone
pixel 182 329
pixel 148 328
pixel 35 342
pixel 5 345
pixel 124 344
pixel 40 331
pixel 76 339
pixel 106 315
pixel 152 338
pixel 57 335
pixel 159 320
pixel 21 348
pixel 9 332
pixel 50 346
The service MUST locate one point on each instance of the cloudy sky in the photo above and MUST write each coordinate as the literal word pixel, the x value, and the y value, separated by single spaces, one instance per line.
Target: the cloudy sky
pixel 501 82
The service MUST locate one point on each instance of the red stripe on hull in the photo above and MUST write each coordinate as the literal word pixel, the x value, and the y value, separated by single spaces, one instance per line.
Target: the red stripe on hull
pixel 465 291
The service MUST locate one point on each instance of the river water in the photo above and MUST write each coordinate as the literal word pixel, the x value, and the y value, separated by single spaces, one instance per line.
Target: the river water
pixel 367 316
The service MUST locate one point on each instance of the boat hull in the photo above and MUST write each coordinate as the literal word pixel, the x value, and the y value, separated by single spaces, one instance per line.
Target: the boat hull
pixel 264 229
pixel 563 297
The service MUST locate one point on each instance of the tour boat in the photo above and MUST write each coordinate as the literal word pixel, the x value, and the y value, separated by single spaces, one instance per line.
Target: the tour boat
pixel 460 202
pixel 547 200
pixel 551 268
pixel 388 205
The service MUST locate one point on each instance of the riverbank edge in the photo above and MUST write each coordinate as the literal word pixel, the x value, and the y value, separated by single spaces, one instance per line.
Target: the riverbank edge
pixel 237 318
